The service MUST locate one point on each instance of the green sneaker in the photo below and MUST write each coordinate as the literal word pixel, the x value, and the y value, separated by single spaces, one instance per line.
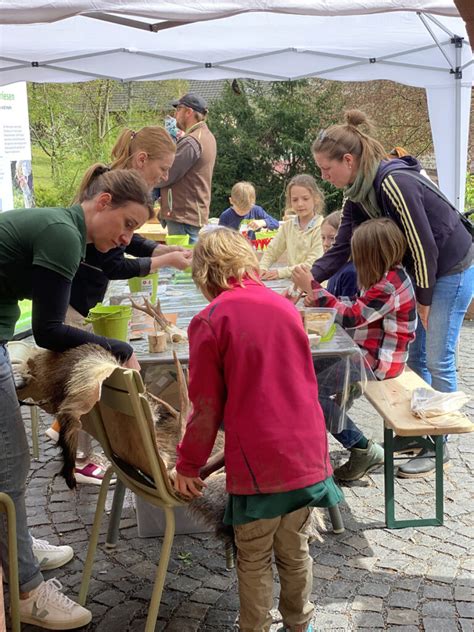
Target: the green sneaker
pixel 360 462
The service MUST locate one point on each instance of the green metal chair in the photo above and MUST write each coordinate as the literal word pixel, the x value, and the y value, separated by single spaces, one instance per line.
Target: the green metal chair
pixel 123 424
pixel 7 507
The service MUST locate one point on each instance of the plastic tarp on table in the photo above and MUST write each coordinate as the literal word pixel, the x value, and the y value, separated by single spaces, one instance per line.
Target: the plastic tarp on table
pixel 416 42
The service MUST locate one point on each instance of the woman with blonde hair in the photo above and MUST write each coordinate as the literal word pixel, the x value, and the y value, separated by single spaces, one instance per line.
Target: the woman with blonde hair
pixel 440 249
pixel 150 152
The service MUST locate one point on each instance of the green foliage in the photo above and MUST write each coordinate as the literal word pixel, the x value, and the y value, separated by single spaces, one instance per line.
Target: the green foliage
pixel 264 135
pixel 47 196
pixel 469 198
pixel 75 125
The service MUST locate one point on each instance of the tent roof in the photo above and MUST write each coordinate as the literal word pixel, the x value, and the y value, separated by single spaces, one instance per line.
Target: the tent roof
pixel 273 39
pixel 30 11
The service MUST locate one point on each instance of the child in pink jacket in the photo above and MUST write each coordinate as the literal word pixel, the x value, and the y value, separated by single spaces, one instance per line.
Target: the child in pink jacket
pixel 276 453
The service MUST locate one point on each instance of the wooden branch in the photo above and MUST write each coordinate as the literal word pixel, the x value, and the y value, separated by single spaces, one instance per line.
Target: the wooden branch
pixel 184 404
pixel 162 402
pixel 148 309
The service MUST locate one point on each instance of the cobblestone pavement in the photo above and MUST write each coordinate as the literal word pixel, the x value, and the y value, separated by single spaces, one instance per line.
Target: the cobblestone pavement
pixel 367 578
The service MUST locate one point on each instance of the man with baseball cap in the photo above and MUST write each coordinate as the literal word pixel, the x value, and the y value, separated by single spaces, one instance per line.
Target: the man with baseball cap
pixel 193 101
pixel 186 195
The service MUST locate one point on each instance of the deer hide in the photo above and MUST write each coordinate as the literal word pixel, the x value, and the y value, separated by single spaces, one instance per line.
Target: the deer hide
pixel 68 385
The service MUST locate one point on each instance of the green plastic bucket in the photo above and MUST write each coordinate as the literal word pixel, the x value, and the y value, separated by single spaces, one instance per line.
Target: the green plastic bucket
pixel 112 327
pixel 177 240
pixel 147 284
pixel 100 310
pixel 110 321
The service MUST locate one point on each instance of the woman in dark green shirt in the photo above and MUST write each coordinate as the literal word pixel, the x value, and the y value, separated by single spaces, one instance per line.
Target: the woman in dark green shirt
pixel 40 251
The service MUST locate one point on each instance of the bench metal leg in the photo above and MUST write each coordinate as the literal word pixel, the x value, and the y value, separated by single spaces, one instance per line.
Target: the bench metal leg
pixel 389 485
pixel 439 483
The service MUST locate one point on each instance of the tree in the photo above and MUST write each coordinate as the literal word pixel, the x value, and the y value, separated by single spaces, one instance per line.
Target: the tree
pixel 264 135
pixel 75 125
pixel 400 113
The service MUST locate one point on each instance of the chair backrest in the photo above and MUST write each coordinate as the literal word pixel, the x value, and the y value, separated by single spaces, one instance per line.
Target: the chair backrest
pixel 122 422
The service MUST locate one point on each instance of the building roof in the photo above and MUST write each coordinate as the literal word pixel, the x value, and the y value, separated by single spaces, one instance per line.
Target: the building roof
pixel 156 95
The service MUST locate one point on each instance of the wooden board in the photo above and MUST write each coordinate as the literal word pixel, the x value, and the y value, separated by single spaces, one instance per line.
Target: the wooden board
pixel 153 231
pixel 392 398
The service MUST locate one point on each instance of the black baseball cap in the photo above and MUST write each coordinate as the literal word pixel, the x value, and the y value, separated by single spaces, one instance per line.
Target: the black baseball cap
pixel 193 101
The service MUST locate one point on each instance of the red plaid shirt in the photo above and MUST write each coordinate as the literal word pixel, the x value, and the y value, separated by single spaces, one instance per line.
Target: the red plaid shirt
pixel 382 321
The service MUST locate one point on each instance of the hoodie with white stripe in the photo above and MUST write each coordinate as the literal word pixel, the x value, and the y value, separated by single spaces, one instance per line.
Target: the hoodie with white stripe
pixel 437 240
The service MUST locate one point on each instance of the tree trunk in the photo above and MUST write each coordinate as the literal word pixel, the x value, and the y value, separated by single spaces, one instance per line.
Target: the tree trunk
pixel 466 10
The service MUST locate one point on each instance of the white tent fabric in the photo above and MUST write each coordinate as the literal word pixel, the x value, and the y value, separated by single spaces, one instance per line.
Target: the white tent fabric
pixel 344 40
pixel 27 12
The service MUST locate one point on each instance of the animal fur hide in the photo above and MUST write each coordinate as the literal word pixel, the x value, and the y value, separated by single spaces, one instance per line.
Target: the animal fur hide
pixel 68 385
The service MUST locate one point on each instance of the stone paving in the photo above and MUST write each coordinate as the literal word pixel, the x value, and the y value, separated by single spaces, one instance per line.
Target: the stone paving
pixel 368 578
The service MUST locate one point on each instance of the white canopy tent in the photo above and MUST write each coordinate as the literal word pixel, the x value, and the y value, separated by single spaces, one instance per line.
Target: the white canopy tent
pixel 415 42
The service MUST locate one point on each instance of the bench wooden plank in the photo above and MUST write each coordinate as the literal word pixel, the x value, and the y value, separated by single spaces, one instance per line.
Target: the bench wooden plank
pixel 392 398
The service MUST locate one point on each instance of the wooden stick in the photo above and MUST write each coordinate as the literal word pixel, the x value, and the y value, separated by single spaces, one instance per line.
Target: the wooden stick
pixel 184 403
pixel 162 402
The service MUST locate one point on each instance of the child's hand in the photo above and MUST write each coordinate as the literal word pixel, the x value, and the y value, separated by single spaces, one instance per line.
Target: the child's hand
pixel 256 224
pixel 302 278
pixel 269 275
pixel 309 301
pixel 293 294
pixel 186 485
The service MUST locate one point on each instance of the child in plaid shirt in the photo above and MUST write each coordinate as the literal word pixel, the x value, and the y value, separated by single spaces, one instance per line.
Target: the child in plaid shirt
pixel 382 321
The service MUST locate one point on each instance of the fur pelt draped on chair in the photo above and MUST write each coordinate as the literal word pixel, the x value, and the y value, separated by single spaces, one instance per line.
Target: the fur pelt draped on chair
pixel 68 385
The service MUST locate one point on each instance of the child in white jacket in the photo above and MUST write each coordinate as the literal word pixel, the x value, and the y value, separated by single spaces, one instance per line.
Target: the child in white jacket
pixel 299 237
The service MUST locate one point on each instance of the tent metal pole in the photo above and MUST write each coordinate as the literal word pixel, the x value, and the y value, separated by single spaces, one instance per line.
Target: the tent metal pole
pixel 427 27
pixel 439 24
pixel 154 27
pixel 457 43
pixel 410 51
pixel 404 65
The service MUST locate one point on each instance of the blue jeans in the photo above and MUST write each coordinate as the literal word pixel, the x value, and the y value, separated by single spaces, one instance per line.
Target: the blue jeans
pixel 433 353
pixel 14 466
pixel 330 376
pixel 176 228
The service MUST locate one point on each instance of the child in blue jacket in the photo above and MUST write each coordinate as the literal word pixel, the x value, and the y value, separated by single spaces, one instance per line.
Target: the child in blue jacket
pixel 243 207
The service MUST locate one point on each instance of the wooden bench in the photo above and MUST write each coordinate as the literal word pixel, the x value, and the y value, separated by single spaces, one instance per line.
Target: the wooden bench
pixel 391 399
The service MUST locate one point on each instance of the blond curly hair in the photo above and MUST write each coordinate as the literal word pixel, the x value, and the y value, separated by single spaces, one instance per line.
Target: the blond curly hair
pixel 222 254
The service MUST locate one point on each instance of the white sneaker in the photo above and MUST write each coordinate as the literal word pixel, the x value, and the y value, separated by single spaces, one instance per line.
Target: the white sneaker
pixel 47 607
pixel 50 556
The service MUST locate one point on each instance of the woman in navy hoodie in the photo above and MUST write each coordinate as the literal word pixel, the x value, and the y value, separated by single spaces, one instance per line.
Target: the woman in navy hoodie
pixel 440 250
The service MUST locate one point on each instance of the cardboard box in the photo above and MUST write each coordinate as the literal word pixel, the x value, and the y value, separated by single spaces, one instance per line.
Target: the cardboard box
pixel 161 381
